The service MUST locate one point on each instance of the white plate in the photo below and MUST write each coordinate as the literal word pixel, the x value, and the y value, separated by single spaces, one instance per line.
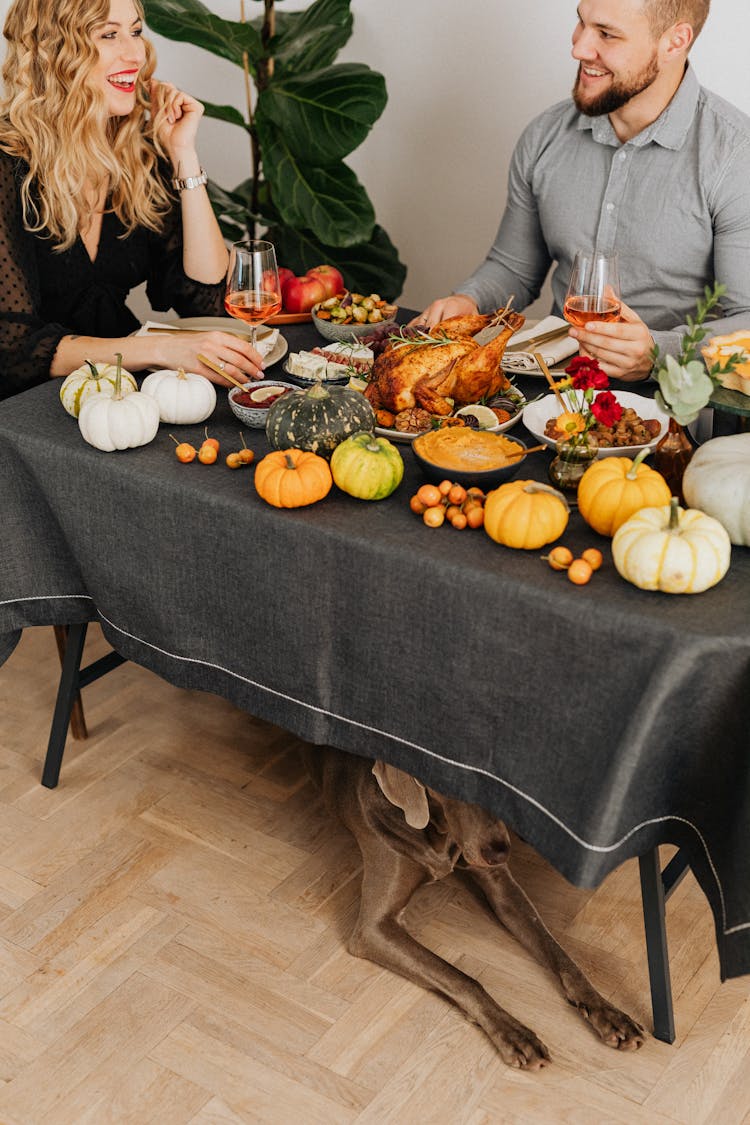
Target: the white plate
pixel 537 414
pixel 399 435
pixel 229 324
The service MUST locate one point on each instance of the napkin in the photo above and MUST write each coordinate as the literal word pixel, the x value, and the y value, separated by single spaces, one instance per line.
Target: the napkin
pixel 266 340
pixel 553 352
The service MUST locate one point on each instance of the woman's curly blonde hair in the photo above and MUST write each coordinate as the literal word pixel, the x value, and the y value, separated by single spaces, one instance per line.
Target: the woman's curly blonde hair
pixel 55 119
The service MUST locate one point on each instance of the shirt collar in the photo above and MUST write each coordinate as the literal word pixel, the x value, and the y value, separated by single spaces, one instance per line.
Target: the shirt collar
pixel 670 128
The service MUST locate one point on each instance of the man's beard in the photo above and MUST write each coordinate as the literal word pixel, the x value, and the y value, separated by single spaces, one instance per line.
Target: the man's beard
pixel 619 93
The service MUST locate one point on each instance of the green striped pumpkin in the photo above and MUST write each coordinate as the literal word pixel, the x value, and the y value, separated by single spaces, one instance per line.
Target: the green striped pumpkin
pixel 317 419
pixel 92 379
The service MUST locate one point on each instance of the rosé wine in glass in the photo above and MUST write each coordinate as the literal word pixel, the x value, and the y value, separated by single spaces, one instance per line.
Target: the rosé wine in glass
pixel 253 292
pixel 594 289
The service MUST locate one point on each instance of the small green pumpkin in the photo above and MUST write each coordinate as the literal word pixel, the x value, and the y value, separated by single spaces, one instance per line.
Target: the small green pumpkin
pixel 367 467
pixel 317 419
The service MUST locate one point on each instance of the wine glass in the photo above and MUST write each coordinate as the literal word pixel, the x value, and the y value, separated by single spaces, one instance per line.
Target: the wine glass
pixel 594 289
pixel 253 291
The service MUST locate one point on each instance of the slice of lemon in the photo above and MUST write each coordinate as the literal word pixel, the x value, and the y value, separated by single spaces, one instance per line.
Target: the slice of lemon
pixel 487 418
pixel 357 384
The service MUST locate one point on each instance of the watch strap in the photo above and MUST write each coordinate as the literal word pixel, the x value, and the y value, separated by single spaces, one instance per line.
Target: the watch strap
pixel 190 182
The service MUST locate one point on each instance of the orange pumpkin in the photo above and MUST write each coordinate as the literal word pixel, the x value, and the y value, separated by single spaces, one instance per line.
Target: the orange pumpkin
pixel 615 488
pixel 291 478
pixel 525 514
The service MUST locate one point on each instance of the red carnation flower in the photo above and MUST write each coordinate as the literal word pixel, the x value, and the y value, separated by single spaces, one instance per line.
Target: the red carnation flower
pixel 586 374
pixel 606 409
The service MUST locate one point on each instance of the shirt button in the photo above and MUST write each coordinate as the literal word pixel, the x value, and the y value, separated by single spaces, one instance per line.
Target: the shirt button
pixel 623 156
pixel 610 206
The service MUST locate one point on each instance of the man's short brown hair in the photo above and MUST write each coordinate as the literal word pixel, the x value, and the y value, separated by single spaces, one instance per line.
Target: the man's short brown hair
pixel 665 13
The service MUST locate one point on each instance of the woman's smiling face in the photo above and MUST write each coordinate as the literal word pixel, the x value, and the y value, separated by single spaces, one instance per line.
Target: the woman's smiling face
pixel 122 53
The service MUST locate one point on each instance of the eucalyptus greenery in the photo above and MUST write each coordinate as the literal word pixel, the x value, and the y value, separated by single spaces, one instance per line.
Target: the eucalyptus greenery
pixel 685 383
pixel 304 114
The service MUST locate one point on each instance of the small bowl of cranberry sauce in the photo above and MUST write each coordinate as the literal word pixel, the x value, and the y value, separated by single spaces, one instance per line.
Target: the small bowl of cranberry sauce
pixel 250 403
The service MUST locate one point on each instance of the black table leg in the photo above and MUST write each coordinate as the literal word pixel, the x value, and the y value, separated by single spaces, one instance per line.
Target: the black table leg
pixel 654 918
pixel 67 692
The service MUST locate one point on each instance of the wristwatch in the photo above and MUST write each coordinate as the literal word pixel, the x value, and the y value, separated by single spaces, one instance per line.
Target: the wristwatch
pixel 190 182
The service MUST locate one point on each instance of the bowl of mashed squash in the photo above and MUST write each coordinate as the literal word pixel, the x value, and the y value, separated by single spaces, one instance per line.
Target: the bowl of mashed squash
pixel 468 457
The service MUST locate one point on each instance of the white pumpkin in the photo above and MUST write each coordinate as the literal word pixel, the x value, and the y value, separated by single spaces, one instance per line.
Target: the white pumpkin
pixel 119 422
pixel 183 397
pixel 717 481
pixel 675 550
pixel 91 380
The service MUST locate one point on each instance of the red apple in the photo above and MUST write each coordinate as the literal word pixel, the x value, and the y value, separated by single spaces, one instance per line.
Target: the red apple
pixel 331 278
pixel 284 276
pixel 299 294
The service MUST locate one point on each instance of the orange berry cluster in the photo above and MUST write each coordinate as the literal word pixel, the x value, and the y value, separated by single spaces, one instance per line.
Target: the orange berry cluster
pixel 209 452
pixel 579 570
pixel 461 507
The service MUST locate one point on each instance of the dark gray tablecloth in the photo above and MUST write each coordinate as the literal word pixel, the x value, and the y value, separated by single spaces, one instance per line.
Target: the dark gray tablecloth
pixel 598 721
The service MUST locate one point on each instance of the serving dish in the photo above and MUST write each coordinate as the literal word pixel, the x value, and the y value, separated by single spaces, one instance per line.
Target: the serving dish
pixel 330 330
pixel 255 416
pixel 482 478
pixel 227 324
pixel 536 414
pixel 304 381
pixel 408 438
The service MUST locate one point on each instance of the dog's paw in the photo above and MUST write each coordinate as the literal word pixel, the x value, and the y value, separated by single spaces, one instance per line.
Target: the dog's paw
pixel 615 1028
pixel 519 1047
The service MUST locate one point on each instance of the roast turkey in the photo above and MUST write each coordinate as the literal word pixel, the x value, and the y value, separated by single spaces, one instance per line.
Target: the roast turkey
pixel 443 364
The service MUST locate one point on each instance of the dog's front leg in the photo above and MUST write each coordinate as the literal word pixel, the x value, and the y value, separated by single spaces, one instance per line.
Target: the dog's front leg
pixel 389 881
pixel 518 914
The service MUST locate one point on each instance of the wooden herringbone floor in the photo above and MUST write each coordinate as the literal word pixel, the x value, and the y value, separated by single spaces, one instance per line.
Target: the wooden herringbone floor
pixel 173 921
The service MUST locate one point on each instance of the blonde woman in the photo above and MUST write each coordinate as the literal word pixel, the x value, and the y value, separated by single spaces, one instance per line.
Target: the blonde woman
pixel 100 189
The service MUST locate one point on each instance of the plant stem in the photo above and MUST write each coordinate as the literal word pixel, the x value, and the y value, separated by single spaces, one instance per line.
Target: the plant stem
pixel 254 148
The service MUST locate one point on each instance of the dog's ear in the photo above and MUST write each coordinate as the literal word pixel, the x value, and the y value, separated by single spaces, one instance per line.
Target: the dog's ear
pixel 405 792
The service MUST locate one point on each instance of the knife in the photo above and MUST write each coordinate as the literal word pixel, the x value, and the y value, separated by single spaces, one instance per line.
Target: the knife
pixel 533 342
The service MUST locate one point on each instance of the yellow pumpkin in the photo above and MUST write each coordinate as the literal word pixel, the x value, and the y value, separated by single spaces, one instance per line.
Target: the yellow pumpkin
pixel 526 514
pixel 614 488
pixel 292 478
pixel 675 550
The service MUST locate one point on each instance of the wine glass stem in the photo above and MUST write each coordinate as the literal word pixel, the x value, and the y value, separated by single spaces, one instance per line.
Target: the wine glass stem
pixel 253 335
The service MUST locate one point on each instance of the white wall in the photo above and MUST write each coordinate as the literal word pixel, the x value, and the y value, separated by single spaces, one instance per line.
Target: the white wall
pixel 463 78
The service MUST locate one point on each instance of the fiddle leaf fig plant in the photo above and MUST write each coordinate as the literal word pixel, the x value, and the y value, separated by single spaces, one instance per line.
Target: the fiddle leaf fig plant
pixel 304 114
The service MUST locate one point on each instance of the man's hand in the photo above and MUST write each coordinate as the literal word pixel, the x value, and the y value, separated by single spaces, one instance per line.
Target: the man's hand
pixel 623 348
pixel 457 305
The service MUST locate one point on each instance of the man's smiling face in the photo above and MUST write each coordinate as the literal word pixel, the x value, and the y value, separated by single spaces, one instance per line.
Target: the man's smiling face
pixel 616 52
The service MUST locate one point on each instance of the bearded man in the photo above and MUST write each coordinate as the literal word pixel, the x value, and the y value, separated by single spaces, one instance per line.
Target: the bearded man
pixel 642 161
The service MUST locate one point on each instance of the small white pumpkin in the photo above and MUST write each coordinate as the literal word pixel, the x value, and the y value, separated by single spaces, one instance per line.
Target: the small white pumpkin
pixel 90 380
pixel 717 481
pixel 183 397
pixel 119 422
pixel 675 550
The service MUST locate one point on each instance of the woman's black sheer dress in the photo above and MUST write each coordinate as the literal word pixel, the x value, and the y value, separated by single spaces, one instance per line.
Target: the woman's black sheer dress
pixel 46 295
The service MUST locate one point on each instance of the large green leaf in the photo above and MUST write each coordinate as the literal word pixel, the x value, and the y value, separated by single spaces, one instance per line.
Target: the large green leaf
pixel 311 39
pixel 329 201
pixel 370 267
pixel 225 113
pixel 189 21
pixel 325 115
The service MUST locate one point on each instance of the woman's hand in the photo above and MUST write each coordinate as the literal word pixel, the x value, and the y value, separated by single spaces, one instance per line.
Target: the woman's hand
pixel 231 353
pixel 457 305
pixel 176 117
pixel 622 347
